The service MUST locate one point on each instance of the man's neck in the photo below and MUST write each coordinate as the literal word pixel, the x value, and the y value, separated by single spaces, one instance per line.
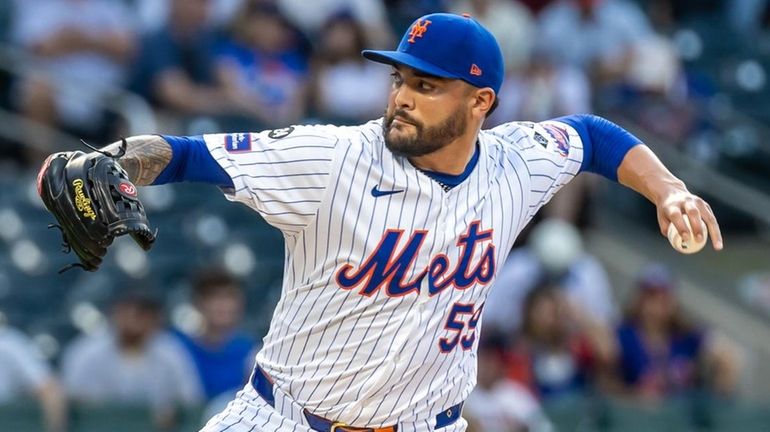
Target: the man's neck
pixel 452 158
pixel 183 32
pixel 214 337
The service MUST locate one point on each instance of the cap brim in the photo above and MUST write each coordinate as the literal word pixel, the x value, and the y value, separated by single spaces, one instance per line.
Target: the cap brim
pixel 406 59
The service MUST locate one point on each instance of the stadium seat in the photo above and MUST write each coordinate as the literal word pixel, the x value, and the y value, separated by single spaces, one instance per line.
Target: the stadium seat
pixel 21 416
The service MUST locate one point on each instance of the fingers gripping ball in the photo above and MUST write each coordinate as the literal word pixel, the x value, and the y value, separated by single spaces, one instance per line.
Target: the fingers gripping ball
pixel 692 245
pixel 93 202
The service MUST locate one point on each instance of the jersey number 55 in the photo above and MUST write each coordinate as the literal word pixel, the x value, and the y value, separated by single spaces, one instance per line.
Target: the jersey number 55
pixel 455 324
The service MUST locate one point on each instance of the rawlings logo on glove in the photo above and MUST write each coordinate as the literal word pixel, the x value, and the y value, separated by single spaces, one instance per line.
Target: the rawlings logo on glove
pixel 82 203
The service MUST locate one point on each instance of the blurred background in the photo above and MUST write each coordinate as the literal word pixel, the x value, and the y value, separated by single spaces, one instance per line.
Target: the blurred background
pixel 595 324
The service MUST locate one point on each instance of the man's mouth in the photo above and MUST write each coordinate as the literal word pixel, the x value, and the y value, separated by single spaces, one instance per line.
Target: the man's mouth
pixel 402 120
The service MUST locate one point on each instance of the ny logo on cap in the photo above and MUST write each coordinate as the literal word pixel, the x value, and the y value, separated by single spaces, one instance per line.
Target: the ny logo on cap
pixel 418 29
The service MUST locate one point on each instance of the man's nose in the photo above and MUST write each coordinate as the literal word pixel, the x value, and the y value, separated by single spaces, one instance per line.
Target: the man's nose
pixel 403 98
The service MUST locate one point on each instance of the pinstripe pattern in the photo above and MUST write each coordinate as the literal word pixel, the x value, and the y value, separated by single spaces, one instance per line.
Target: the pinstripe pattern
pixel 375 359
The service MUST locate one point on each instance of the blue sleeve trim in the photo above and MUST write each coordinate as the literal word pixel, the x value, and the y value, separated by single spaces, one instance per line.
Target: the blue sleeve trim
pixel 605 144
pixel 192 161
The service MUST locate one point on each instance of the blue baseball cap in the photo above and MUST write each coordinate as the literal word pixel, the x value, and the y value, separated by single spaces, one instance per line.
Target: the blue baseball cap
pixel 448 46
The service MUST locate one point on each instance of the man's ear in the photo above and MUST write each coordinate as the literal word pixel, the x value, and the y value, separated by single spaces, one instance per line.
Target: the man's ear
pixel 483 100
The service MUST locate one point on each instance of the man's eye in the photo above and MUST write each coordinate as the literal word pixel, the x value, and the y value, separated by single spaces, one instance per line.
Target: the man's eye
pixel 424 85
pixel 396 78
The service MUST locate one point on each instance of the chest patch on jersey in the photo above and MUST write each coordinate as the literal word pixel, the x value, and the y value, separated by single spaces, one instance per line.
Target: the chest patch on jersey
pixel 388 268
pixel 238 142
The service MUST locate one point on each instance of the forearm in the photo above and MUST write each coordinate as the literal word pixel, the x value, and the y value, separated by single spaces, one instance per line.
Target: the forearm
pixel 176 91
pixel 643 172
pixel 146 157
pixel 54 406
pixel 119 46
pixel 723 362
pixel 155 159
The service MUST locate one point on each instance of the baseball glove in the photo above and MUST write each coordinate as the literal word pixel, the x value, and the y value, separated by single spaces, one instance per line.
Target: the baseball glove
pixel 93 202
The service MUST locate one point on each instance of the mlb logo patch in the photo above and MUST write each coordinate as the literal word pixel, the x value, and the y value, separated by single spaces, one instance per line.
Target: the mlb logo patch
pixel 238 142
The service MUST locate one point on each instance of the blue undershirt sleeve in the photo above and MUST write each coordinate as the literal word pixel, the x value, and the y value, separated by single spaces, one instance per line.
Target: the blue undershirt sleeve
pixel 192 161
pixel 605 144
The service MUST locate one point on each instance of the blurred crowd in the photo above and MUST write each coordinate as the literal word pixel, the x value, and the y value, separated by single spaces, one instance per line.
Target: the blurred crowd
pixel 102 69
pixel 214 65
pixel 137 359
pixel 554 332
pixel 554 328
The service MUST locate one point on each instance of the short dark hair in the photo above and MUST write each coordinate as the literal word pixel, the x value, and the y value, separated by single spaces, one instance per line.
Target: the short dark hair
pixel 143 297
pixel 493 340
pixel 213 281
pixel 494 106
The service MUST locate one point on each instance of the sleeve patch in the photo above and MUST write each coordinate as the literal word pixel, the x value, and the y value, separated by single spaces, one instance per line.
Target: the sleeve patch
pixel 238 142
pixel 560 137
pixel 540 139
pixel 281 133
pixel 552 137
pixel 526 124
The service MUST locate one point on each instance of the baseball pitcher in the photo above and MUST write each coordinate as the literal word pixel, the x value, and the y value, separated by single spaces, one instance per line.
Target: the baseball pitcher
pixel 394 229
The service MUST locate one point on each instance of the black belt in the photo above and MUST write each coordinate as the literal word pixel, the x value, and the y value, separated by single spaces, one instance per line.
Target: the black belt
pixel 263 384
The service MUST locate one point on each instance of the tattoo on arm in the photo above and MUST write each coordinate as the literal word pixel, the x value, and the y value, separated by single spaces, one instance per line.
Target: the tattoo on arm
pixel 146 156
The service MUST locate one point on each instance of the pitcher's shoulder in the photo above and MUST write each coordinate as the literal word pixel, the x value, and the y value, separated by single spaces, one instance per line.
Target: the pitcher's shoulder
pixel 511 133
pixel 550 136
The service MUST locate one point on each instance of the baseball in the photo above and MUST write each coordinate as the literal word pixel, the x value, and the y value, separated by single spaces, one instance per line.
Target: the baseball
pixel 691 246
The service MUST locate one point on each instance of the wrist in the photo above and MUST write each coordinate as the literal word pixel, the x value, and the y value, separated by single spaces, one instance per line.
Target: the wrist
pixel 643 172
pixel 662 189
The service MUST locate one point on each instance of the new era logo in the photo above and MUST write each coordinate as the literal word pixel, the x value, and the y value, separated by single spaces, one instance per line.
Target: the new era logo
pixel 475 70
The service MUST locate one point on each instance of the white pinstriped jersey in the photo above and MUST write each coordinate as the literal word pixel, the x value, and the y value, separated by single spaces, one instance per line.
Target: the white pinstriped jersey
pixel 386 272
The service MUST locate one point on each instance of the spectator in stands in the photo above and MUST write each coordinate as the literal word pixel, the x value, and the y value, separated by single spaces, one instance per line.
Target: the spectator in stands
pixel 536 6
pixel 263 67
pixel 667 14
pixel 222 352
pixel 511 23
pixel 750 17
pixel 542 89
pixel 654 91
pixel 497 403
pixel 133 362
pixel 660 353
pixel 340 72
pixel 310 16
pixel 154 14
pixel 553 254
pixel 596 35
pixel 175 70
pixel 401 13
pixel 24 373
pixel 561 349
pixel 83 49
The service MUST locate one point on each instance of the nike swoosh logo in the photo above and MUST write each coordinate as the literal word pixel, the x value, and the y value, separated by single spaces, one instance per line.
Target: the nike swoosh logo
pixel 378 193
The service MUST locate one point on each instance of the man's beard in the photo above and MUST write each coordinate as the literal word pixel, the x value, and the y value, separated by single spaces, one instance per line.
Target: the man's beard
pixel 424 140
